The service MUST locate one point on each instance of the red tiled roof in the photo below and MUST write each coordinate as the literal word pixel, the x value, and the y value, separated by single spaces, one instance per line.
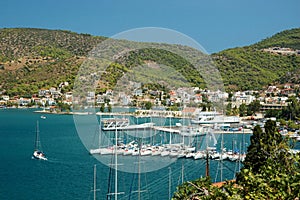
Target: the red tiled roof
pixel 220 184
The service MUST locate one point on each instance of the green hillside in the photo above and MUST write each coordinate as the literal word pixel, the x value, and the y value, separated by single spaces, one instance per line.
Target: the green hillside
pixel 31 59
pixel 287 38
pixel 252 68
pixel 37 58
pixel 19 42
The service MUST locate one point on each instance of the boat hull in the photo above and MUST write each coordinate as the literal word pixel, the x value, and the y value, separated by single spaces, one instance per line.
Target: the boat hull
pixel 38 155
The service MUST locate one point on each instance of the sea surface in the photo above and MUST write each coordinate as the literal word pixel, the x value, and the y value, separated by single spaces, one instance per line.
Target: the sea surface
pixel 68 173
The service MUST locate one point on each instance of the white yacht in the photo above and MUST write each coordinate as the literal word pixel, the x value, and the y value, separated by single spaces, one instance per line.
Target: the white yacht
pixel 213 117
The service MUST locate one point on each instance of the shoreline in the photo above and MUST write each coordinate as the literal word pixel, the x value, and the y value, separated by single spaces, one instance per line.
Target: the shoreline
pixel 244 131
pixel 62 113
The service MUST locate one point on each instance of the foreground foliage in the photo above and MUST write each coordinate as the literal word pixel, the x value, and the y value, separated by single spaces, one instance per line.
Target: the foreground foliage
pixel 271 171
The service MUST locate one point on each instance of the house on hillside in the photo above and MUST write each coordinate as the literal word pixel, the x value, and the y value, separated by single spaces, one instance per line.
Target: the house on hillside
pixel 43 92
pixel 23 101
pixel 5 97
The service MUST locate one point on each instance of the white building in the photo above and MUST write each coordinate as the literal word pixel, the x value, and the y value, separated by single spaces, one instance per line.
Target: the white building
pixel 5 97
pixel 241 98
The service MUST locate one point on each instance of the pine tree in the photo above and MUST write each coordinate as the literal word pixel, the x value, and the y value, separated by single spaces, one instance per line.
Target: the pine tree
pixel 263 145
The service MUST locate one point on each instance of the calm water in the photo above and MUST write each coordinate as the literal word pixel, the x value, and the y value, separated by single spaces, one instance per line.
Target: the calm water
pixel 68 174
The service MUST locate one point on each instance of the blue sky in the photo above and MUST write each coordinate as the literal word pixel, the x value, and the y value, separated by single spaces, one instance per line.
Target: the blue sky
pixel 215 24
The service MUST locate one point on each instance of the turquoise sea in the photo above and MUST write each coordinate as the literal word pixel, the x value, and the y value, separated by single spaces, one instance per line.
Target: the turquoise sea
pixel 68 173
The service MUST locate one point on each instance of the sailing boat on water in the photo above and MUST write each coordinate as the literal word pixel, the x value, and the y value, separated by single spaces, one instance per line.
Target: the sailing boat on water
pixel 38 153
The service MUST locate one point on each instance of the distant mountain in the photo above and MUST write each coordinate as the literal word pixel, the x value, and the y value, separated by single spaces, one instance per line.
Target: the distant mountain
pixel 37 58
pixel 260 64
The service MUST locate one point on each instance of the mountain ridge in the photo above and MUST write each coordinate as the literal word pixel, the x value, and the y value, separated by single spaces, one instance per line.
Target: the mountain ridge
pixel 38 58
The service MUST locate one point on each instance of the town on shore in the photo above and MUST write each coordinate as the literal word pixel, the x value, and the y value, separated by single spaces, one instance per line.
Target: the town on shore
pixel 272 98
pixel 181 102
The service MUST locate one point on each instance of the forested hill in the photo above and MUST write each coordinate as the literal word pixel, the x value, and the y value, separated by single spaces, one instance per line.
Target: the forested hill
pixel 285 39
pixel 31 59
pixel 38 58
pixel 18 42
pixel 273 60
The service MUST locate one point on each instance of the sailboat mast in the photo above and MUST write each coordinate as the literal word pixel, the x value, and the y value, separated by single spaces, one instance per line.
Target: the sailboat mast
pixel 100 134
pixel 170 132
pixel 116 164
pixel 139 170
pixel 207 160
pixel 115 193
pixel 182 172
pixel 95 174
pixel 37 137
pixel 169 182
pixel 222 147
pixel 240 158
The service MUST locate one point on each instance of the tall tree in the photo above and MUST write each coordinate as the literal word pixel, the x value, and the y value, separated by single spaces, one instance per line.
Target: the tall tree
pixel 148 105
pixel 292 111
pixel 102 107
pixel 242 110
pixel 271 171
pixel 253 107
pixel 229 109
pixel 263 144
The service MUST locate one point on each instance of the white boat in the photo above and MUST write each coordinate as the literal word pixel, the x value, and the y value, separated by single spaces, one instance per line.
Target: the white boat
pixel 223 156
pixel 181 154
pixel 212 117
pixel 136 152
pixel 128 151
pixel 43 117
pixel 190 149
pixel 189 155
pixel 242 157
pixel 146 152
pixel 199 155
pixel 165 152
pixel 156 150
pixel 106 151
pixel 38 153
pixel 174 153
pixel 232 156
pixel 214 155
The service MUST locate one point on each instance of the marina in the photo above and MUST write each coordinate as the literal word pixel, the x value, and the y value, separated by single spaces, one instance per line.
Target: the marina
pixel 70 164
pixel 171 151
pixel 156 100
pixel 181 143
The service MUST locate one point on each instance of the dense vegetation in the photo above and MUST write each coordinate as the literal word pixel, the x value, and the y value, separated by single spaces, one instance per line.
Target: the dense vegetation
pixel 34 58
pixel 31 59
pixel 19 42
pixel 251 68
pixel 167 58
pixel 270 171
pixel 286 39
pixel 291 112
pixel 248 68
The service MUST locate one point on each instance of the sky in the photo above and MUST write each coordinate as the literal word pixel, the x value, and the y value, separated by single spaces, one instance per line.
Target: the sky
pixel 214 24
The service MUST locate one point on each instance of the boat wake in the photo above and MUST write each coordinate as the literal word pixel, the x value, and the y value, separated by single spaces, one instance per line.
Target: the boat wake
pixel 57 161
